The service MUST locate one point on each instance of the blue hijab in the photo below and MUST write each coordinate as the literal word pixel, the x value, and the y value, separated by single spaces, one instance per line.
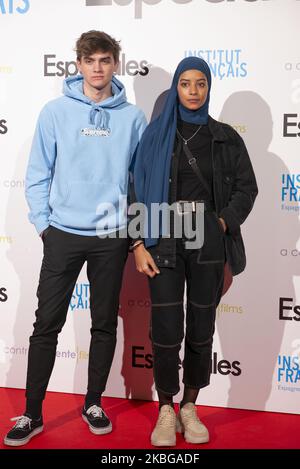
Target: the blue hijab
pixel 153 160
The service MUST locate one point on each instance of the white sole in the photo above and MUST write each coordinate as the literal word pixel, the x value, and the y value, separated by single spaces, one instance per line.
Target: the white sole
pixel 190 438
pixel 195 440
pixel 98 431
pixel 24 441
pixel 164 443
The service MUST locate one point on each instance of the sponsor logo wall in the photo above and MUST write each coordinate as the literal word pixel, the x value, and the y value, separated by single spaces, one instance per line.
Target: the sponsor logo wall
pixel 256 89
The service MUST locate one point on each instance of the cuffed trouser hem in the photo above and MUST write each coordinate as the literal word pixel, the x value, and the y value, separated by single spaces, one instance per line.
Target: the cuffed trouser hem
pixel 192 386
pixel 168 393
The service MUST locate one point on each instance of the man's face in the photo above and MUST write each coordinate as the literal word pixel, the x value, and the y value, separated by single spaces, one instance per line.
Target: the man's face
pixel 97 69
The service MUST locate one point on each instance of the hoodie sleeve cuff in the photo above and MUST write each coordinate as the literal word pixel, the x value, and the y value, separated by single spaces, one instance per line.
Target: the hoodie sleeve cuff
pixel 41 225
pixel 229 217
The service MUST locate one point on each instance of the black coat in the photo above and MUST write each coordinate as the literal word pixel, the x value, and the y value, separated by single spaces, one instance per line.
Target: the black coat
pixel 234 191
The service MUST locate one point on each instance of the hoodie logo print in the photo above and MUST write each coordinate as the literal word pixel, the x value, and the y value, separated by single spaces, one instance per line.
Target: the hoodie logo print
pixel 95 132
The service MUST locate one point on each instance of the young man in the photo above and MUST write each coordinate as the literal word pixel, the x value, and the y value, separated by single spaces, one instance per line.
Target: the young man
pixel 81 153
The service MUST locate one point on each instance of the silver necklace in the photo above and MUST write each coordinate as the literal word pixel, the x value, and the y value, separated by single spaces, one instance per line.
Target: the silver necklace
pixel 186 140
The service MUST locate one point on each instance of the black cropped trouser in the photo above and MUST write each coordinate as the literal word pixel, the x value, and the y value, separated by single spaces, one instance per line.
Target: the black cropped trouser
pixel 64 256
pixel 203 276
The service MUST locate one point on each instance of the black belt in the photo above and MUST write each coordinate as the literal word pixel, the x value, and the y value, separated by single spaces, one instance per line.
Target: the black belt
pixel 184 206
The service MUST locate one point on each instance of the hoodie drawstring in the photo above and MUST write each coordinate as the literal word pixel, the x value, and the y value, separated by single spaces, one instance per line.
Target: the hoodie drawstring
pixel 99 117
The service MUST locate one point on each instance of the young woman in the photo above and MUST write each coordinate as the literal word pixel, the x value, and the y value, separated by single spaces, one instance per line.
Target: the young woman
pixel 188 159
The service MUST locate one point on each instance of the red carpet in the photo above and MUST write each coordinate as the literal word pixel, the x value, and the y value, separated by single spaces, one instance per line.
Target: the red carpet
pixel 133 421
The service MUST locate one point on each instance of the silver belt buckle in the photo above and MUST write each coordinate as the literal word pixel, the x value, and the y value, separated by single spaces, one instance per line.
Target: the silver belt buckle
pixel 178 205
pixel 182 212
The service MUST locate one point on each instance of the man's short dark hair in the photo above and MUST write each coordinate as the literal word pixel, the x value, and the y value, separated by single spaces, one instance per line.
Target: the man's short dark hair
pixel 94 41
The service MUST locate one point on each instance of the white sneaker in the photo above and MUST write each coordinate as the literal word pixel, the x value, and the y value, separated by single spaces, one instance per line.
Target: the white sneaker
pixel 188 422
pixel 164 433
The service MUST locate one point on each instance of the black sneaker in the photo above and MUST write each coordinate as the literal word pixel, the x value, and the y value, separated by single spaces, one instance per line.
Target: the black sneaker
pixel 97 420
pixel 23 430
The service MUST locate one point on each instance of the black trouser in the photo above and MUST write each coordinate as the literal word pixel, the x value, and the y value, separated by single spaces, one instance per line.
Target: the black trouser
pixel 64 256
pixel 204 280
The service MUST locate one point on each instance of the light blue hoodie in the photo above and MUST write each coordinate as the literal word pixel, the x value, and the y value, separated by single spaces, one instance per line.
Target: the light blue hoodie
pixel 79 159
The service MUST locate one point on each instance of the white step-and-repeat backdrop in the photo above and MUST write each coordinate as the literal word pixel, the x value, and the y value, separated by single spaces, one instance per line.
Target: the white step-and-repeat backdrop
pixel 252 47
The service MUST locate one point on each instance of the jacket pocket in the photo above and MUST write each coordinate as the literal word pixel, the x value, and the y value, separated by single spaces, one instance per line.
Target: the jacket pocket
pixel 227 185
pixel 235 253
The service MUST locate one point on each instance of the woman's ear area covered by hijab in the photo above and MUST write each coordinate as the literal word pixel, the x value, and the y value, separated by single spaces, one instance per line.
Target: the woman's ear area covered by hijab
pixel 192 74
pixel 192 89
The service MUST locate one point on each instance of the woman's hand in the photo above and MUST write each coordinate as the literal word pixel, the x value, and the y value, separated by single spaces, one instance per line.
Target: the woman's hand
pixel 144 261
pixel 223 224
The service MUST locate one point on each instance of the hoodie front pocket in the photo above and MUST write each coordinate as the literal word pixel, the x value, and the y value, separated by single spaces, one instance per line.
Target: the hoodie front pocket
pixel 87 203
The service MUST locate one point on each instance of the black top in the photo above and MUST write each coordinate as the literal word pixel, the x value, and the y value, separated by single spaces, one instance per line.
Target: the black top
pixel 188 185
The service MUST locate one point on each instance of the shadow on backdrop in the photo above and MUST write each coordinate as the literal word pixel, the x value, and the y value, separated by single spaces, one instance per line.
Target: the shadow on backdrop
pixel 249 337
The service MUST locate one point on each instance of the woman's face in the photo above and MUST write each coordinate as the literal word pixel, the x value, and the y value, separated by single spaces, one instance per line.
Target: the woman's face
pixel 192 89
